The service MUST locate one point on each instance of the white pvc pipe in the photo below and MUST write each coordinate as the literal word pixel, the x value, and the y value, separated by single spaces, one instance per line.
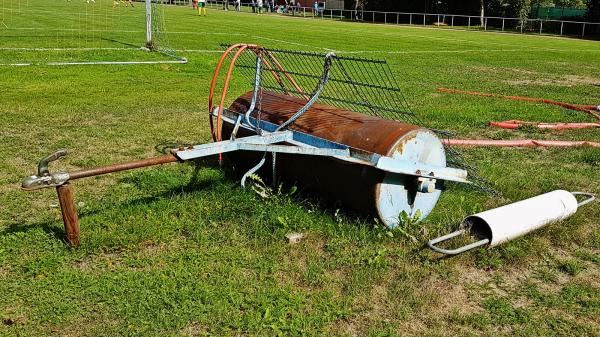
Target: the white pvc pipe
pixel 505 223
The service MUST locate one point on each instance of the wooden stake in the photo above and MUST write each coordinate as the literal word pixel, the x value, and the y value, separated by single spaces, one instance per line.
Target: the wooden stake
pixel 69 213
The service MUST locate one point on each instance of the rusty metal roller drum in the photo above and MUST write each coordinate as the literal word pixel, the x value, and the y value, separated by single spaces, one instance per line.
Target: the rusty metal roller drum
pixel 366 189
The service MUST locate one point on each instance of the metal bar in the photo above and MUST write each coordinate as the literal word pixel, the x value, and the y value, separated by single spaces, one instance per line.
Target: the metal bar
pixel 205 150
pixel 148 24
pixel 293 149
pixel 523 24
pixel 561 27
pixel 432 244
pixel 69 213
pixel 122 167
pixel 389 164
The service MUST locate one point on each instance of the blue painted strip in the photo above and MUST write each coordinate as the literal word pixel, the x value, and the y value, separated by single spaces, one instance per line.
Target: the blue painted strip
pixel 302 137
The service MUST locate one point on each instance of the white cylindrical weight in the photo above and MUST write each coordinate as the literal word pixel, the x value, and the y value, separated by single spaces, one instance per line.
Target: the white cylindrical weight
pixel 508 222
pixel 505 223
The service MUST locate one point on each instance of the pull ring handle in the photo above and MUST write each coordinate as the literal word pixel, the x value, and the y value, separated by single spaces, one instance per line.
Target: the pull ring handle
pixel 589 198
pixel 43 164
pixel 432 244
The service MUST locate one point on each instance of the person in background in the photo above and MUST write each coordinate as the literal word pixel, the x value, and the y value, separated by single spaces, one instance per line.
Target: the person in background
pixel 316 9
pixel 238 5
pixel 253 4
pixel 226 5
pixel 259 5
pixel 201 7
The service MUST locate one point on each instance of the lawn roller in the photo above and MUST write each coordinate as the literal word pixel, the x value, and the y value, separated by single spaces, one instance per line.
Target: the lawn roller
pixel 336 125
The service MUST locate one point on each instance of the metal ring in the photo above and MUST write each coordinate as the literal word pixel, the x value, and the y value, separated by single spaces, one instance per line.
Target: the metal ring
pixel 590 197
pixel 432 244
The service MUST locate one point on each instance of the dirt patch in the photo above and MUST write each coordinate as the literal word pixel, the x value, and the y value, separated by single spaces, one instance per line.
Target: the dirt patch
pixel 563 81
pixel 504 70
pixel 116 259
pixel 193 329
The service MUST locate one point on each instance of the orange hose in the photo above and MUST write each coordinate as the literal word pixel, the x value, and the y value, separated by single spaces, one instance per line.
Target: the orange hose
pixel 226 86
pixel 518 143
pixel 213 83
pixel 515 124
pixel 241 47
pixel 585 108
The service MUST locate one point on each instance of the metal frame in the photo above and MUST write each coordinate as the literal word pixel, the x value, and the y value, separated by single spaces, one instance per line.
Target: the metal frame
pixel 265 137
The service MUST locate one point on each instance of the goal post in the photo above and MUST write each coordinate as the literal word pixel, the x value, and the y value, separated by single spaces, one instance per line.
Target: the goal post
pixel 79 32
pixel 149 42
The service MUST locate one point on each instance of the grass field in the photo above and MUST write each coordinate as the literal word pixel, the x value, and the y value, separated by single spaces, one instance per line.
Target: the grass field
pixel 183 250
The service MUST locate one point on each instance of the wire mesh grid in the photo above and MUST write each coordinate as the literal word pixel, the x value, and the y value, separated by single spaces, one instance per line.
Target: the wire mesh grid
pixel 361 85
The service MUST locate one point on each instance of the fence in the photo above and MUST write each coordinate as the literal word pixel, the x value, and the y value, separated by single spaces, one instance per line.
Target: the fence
pixel 588 30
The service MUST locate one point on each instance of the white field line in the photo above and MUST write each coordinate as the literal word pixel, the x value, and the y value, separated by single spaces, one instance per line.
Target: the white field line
pixel 341 52
pixel 290 42
pixel 125 31
pixel 86 63
pixel 65 49
pixel 200 51
pixel 466 51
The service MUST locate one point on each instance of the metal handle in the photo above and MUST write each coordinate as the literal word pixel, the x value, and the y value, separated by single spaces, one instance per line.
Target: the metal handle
pixel 432 243
pixel 589 198
pixel 43 165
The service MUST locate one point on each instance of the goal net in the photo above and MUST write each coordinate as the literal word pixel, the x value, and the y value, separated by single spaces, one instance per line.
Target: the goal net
pixel 64 32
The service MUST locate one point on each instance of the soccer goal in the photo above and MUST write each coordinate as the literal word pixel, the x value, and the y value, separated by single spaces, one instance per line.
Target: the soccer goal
pixel 79 32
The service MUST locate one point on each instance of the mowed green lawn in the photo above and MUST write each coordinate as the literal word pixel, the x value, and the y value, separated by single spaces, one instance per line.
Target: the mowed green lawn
pixel 183 250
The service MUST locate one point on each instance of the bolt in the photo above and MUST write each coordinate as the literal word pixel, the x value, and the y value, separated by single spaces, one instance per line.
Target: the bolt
pixel 426 185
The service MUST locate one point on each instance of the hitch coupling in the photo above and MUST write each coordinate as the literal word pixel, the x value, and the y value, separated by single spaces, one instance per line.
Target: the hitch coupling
pixel 44 178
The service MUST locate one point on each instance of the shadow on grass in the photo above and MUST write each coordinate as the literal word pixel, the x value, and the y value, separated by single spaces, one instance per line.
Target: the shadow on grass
pixel 55 229
pixel 121 42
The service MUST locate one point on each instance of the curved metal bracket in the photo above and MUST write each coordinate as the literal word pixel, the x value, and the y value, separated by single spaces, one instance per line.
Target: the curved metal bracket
pixel 44 178
pixel 43 164
pixel 432 244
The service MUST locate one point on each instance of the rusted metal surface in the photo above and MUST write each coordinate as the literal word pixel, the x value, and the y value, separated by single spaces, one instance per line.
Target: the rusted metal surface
pixel 123 166
pixel 356 186
pixel 342 126
pixel 69 213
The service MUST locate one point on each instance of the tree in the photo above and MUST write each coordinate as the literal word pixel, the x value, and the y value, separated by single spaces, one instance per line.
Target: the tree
pixel 593 11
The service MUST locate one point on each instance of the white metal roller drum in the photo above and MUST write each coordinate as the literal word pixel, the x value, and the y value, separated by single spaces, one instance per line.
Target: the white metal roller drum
pixel 398 193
